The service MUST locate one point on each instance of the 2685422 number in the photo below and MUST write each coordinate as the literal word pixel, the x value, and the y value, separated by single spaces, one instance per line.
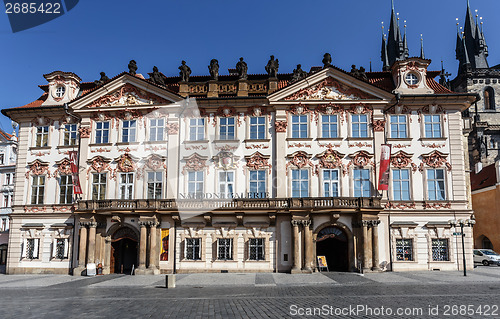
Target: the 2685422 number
pixel 470 310
pixel 32 8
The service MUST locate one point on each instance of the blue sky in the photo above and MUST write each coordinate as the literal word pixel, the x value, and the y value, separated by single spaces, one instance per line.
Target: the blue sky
pixel 104 35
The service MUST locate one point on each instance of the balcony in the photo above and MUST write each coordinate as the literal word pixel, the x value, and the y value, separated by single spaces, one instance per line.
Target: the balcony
pixel 317 204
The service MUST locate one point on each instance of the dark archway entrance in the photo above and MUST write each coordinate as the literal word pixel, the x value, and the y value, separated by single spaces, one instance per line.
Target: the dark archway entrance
pixel 124 245
pixel 333 244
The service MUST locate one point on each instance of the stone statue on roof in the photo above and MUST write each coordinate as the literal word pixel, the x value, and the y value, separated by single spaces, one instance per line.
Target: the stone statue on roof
pixel 102 80
pixel 242 69
pixel 185 71
pixel 132 67
pixel 157 77
pixel 354 71
pixel 327 60
pixel 362 73
pixel 213 68
pixel 272 67
pixel 298 74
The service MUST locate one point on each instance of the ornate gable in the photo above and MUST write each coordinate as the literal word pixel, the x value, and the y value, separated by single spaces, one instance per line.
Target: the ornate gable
pixel 127 95
pixel 330 90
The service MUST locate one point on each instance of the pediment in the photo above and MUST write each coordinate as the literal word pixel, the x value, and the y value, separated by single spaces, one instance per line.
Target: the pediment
pixel 330 85
pixel 125 91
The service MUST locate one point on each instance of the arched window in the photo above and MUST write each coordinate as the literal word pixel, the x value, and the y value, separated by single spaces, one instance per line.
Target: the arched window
pixel 489 99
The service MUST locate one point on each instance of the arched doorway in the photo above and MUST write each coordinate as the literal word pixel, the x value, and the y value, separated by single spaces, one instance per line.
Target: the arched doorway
pixel 124 245
pixel 486 243
pixel 332 242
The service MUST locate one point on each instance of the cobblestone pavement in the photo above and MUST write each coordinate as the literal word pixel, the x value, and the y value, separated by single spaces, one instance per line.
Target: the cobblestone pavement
pixel 325 295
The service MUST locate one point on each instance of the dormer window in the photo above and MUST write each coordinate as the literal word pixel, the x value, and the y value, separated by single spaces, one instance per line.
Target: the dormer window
pixel 411 79
pixel 60 90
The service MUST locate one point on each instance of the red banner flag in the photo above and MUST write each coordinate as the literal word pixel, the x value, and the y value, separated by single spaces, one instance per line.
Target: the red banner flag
pixel 385 159
pixel 73 160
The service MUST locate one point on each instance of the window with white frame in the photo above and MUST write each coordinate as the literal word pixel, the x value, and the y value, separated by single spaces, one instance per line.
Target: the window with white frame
pixel 66 189
pixel 362 185
pixel 225 249
pixel 60 90
pixel 398 126
pixel 70 134
pixel 156 129
pixel 359 125
pixel 155 185
pixel 42 136
pixel 6 200
pixel 401 184
pixel 128 131
pixel 126 185
pixel 256 249
pixel 432 126
pixel 440 250
pixel 331 182
pixel 435 184
pixel 37 189
pixel 196 184
pixel 257 185
pixel 31 248
pixel 329 126
pixel 192 248
pixel 196 129
pixel 226 128
pixel 2 159
pixel 257 127
pixel 299 126
pixel 404 249
pixel 300 183
pixel 98 186
pixel 9 180
pixel 4 224
pixel 60 248
pixel 226 184
pixel 101 132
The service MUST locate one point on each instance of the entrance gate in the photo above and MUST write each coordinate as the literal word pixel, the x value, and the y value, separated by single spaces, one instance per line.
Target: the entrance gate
pixel 124 245
pixel 332 243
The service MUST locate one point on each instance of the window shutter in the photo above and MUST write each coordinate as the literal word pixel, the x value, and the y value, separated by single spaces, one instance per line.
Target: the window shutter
pixel 23 249
pixel 214 250
pixel 66 247
pixel 247 250
pixel 183 250
pixel 54 247
pixel 35 249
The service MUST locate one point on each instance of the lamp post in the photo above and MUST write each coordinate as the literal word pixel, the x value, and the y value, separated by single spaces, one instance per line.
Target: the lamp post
pixel 462 223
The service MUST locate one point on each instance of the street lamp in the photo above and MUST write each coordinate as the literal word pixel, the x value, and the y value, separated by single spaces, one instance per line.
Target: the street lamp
pixel 462 223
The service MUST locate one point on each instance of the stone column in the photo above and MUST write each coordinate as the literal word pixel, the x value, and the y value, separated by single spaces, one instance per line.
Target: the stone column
pixel 375 244
pixel 296 247
pixel 106 270
pixel 92 233
pixel 152 246
pixel 142 245
pixel 83 246
pixel 309 262
pixel 367 254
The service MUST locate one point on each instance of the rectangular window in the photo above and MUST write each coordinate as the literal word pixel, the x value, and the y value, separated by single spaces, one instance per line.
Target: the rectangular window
pixel 300 183
pixel 101 132
pixel 37 189
pixel 329 126
pixel 60 248
pixel 401 184
pixel 128 131
pixel 8 179
pixel 196 129
pixel 70 134
pixel 66 189
pixel 362 185
pixel 226 128
pixel 257 127
pixel 398 126
pixel 331 182
pixel 432 124
pixel 126 185
pixel 6 202
pixel 31 249
pixel 192 250
pixel 299 126
pixel 156 129
pixel 440 250
pixel 257 184
pixel 256 249
pixel 226 184
pixel 42 136
pixel 225 249
pixel 155 185
pixel 2 159
pixel 404 249
pixel 359 125
pixel 435 184
pixel 98 186
pixel 195 184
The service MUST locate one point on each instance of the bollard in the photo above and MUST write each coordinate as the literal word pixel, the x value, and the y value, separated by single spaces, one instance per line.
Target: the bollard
pixel 169 281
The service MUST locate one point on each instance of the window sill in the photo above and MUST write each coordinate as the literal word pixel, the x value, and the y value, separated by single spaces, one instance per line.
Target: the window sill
pixel 226 141
pixel 100 144
pixel 127 143
pixel 329 138
pixel 38 148
pixel 405 262
pixel 401 139
pixel 190 260
pixel 66 146
pixel 155 142
pixel 369 138
pixel 252 140
pixel 256 261
pixel 196 142
pixel 293 139
pixel 225 261
pixel 432 139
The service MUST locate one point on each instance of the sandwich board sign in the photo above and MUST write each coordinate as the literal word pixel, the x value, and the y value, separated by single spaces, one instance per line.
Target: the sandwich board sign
pixel 322 264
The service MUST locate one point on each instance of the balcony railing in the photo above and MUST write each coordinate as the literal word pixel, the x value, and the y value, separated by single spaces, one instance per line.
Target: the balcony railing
pixel 276 204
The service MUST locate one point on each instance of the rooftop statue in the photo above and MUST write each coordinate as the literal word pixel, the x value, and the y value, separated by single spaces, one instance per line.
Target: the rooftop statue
pixel 272 67
pixel 298 74
pixel 327 60
pixel 132 67
pixel 242 69
pixel 157 77
pixel 362 73
pixel 185 72
pixel 102 80
pixel 213 68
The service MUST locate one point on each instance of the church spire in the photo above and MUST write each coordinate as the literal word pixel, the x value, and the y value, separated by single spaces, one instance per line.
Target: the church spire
pixel 383 56
pixel 395 48
pixel 422 55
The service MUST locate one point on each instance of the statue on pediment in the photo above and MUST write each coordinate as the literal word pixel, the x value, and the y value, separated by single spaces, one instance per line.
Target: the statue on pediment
pixel 157 77
pixel 132 67
pixel 272 67
pixel 213 68
pixel 242 69
pixel 327 60
pixel 185 71
pixel 104 79
pixel 298 74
